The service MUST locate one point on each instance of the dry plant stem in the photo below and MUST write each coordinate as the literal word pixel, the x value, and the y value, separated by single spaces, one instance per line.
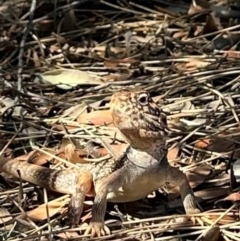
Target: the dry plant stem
pixel 48 217
pixel 143 125
pixel 121 8
pixel 22 45
pixel 214 33
pixel 188 70
pixel 216 221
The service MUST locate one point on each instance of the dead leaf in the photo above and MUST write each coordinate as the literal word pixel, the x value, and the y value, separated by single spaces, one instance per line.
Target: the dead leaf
pixel 198 175
pixel 232 54
pixel 40 213
pixel 198 6
pixel 180 35
pixel 99 118
pixel 202 144
pixel 38 157
pixel 192 64
pixel 101 50
pixel 235 197
pixel 112 63
pixel 211 234
pixel 211 193
pixel 67 78
pixel 128 37
pixel 5 216
pixel 195 178
pixel 75 111
pixel 9 102
pixel 72 154
pixel 212 24
pixel 196 63
pixel 218 144
pixel 68 235
pixel 228 218
pixel 172 154
pixel 115 77
pixel 36 60
pixel 69 22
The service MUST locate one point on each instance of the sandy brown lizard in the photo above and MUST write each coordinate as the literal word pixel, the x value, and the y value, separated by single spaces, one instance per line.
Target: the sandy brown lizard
pixel 142 169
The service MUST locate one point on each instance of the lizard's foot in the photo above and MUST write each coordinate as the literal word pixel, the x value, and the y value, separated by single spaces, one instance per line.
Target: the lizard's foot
pixel 74 214
pixel 75 207
pixel 97 229
pixel 190 205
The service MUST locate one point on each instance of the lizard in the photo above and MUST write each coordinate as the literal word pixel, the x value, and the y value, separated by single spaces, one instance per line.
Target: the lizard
pixel 140 170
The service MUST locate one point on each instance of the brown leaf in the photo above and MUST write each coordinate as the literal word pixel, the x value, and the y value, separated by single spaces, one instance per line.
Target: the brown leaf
pixel 5 216
pixel 38 157
pixel 36 60
pixel 211 234
pixel 212 24
pixel 192 64
pixel 202 144
pixel 115 77
pixel 195 178
pixel 198 175
pixel 99 117
pixel 40 213
pixel 68 235
pixel 72 154
pixel 227 219
pixel 180 35
pixel 173 153
pixel 211 193
pixel 112 63
pixel 220 144
pixel 232 54
pixel 198 6
pixel 233 197
pixel 69 22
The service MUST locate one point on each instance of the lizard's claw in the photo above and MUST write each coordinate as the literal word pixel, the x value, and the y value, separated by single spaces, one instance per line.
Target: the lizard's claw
pixel 97 229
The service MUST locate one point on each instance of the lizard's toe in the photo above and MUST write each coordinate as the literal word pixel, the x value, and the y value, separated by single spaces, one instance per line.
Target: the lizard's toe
pixel 97 229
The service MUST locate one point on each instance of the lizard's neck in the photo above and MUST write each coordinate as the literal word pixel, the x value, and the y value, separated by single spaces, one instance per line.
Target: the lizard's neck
pixel 146 158
pixel 151 142
pixel 157 150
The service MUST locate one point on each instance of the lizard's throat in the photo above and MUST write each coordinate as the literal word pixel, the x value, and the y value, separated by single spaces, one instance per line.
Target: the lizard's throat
pixel 154 145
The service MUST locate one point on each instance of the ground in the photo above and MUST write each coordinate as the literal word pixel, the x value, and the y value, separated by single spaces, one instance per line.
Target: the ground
pixel 60 63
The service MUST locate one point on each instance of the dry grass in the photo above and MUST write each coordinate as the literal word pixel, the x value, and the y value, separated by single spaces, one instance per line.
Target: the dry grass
pixel 190 65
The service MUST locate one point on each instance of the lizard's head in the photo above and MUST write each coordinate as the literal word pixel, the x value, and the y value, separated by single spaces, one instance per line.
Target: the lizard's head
pixel 139 118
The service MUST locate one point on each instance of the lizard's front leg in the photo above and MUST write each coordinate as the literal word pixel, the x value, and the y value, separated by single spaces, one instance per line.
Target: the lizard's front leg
pixel 178 178
pixel 102 188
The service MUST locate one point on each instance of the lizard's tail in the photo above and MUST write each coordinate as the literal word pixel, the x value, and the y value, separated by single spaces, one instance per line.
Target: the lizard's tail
pixel 62 181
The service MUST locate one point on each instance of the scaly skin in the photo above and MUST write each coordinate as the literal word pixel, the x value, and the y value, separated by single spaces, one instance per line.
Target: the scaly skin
pixel 144 164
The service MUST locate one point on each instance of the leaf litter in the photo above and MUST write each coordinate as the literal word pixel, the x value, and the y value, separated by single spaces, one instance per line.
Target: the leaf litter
pixel 60 63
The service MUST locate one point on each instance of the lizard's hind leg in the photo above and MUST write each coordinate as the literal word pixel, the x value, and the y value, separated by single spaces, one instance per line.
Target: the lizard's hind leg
pixel 84 187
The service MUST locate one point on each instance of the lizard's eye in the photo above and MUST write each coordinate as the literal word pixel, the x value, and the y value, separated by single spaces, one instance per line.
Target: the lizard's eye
pixel 143 99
